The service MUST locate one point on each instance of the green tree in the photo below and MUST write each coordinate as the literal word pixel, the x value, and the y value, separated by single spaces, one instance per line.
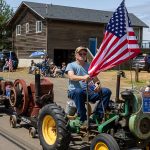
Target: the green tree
pixel 6 13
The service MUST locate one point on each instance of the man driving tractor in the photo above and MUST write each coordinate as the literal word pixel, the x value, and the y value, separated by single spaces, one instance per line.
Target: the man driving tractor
pixel 78 78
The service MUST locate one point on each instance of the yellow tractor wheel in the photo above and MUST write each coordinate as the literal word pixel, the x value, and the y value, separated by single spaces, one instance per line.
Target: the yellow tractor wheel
pixel 49 130
pixel 104 142
pixel 52 128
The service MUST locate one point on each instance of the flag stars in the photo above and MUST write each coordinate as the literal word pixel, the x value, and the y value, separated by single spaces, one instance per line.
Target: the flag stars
pixel 117 24
pixel 107 49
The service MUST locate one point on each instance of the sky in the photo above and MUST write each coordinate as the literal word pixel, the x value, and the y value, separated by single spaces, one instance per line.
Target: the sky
pixel 140 8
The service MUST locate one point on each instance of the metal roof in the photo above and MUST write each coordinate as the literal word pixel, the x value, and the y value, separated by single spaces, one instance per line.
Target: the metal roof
pixel 76 14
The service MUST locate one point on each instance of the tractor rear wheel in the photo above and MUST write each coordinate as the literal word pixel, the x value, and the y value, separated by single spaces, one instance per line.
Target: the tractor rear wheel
pixel 52 128
pixel 104 142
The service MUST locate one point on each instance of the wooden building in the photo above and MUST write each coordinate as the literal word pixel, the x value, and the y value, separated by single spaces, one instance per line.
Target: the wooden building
pixel 59 29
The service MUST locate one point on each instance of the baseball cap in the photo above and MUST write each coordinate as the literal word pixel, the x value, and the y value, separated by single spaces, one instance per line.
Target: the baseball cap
pixel 78 49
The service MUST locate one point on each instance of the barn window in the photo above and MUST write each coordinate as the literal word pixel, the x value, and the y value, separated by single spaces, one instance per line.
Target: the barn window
pixel 38 26
pixel 18 30
pixel 27 27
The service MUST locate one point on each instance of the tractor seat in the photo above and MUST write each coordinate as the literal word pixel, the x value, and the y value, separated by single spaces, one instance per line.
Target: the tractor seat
pixel 127 94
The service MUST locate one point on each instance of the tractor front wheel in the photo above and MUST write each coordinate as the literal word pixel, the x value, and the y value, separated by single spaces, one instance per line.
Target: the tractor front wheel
pixel 13 121
pixel 52 128
pixel 104 142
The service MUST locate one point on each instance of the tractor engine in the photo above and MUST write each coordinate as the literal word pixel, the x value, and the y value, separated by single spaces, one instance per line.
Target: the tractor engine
pixel 27 100
pixel 137 108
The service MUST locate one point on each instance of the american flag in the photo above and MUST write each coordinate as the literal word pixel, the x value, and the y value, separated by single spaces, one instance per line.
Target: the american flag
pixel 10 63
pixel 119 43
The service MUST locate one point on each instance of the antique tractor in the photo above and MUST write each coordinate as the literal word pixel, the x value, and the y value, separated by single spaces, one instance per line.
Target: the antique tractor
pixel 27 100
pixel 5 87
pixel 125 124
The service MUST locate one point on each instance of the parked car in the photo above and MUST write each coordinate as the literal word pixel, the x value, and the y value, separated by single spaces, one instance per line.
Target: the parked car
pixel 5 55
pixel 142 62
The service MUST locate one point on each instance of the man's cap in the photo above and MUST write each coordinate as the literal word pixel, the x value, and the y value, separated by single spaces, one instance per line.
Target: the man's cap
pixel 78 49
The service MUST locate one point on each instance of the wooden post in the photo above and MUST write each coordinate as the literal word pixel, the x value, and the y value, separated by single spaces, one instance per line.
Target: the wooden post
pixel 137 73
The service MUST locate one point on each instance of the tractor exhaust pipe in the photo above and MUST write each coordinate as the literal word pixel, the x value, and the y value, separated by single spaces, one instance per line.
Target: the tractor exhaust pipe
pixel 37 86
pixel 118 86
pixel 119 75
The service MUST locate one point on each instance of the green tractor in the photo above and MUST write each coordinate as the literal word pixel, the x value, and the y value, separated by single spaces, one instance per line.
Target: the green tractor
pixel 126 124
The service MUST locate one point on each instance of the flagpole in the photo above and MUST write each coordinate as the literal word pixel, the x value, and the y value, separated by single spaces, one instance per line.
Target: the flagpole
pixel 9 66
pixel 87 100
pixel 90 53
pixel 127 25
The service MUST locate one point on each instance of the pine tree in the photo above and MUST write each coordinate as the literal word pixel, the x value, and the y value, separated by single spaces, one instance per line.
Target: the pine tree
pixel 6 13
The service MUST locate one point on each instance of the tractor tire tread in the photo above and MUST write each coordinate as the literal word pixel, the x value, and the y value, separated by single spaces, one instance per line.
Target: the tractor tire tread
pixel 63 139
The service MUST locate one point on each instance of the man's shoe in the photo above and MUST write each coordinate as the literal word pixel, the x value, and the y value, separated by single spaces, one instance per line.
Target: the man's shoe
pixel 83 124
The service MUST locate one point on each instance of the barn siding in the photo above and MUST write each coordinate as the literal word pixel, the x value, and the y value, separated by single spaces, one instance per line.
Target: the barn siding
pixel 69 35
pixel 26 43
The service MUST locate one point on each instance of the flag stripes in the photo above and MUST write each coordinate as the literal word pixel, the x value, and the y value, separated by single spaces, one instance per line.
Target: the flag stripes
pixel 111 54
pixel 119 44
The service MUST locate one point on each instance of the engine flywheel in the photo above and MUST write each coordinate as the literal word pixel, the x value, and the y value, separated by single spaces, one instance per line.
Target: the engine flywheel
pixel 139 125
pixel 21 96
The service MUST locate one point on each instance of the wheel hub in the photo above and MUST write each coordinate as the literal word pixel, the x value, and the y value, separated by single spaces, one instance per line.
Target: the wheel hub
pixel 49 129
pixel 101 146
pixel 144 125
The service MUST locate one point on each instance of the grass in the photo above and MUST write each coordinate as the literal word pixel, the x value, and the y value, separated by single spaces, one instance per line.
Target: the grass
pixel 138 84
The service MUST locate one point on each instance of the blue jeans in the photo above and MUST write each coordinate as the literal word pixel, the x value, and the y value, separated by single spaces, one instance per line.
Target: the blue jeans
pixel 79 97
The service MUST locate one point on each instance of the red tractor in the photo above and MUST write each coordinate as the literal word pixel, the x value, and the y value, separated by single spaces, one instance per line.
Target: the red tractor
pixel 27 100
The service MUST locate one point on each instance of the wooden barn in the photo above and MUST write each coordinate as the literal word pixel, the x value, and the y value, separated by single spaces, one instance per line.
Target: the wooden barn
pixel 59 29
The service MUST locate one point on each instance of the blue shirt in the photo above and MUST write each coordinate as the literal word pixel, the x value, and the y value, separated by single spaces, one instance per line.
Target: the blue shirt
pixel 79 71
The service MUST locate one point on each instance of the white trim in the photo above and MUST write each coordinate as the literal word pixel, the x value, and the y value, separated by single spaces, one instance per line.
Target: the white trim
pixel 38 26
pixel 18 30
pixel 27 27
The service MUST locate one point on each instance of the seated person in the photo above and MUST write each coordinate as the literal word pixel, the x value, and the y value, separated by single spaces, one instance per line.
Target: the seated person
pixel 6 65
pixel 53 67
pixel 32 67
pixel 61 70
pixel 44 69
pixel 78 76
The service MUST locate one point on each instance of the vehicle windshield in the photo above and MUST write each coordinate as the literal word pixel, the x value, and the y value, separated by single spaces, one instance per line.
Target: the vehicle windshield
pixel 139 58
